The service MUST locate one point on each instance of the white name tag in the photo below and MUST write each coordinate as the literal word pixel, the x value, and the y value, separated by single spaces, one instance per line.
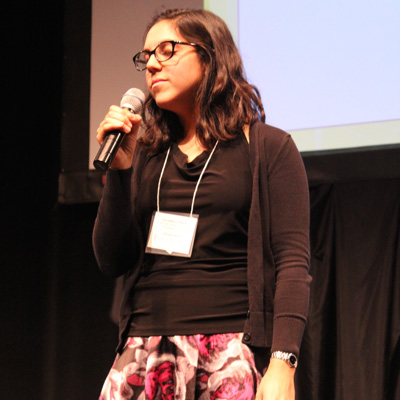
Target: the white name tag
pixel 172 234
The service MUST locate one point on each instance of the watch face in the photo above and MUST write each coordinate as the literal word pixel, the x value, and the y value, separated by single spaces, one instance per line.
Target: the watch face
pixel 292 360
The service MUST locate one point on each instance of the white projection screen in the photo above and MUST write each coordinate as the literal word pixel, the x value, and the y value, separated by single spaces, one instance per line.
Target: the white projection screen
pixel 328 71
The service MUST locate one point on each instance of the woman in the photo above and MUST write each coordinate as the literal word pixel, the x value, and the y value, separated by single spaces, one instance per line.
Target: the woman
pixel 206 313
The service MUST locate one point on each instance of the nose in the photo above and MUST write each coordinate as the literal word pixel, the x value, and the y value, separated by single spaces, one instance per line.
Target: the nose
pixel 153 64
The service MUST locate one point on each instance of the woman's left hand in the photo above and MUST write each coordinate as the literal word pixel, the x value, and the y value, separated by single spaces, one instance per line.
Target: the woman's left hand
pixel 278 382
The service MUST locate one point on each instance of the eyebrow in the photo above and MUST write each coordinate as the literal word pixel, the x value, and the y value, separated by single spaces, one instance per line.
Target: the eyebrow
pixel 162 41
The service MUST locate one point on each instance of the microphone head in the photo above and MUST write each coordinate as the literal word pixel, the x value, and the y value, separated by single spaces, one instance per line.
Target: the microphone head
pixel 133 100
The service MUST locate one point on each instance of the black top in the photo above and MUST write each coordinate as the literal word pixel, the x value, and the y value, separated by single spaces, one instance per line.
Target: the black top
pixel 277 244
pixel 206 293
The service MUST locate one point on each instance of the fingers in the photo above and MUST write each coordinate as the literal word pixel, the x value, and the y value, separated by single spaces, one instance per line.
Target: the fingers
pixel 117 119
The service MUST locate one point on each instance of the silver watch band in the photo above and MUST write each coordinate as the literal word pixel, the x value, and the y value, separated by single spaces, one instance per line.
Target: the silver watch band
pixel 289 358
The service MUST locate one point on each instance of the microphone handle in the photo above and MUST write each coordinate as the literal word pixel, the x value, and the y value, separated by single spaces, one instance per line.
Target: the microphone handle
pixel 108 150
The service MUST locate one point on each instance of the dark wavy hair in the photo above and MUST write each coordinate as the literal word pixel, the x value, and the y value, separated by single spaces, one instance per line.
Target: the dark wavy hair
pixel 227 101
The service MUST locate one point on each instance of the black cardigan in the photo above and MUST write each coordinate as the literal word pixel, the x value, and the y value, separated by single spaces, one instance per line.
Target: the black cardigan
pixel 278 241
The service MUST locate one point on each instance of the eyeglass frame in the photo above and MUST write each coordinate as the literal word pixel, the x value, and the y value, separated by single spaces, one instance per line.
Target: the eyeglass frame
pixel 150 53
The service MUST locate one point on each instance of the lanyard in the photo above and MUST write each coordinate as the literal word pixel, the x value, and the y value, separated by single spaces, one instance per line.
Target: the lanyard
pixel 198 181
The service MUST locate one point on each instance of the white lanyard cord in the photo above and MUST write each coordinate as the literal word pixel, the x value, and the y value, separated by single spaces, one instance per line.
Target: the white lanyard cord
pixel 201 175
pixel 198 181
pixel 159 179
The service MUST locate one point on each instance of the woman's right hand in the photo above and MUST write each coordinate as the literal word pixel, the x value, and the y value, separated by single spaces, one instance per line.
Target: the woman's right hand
pixel 118 118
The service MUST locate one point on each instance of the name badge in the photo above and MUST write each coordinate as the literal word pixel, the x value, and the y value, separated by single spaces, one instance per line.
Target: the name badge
pixel 172 234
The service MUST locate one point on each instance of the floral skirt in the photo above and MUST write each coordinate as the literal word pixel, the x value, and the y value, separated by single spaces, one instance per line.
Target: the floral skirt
pixel 192 367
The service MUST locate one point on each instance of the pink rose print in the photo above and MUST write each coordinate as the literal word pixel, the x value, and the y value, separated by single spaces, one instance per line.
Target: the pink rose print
pixel 240 388
pixel 210 346
pixel 135 380
pixel 161 378
pixel 132 342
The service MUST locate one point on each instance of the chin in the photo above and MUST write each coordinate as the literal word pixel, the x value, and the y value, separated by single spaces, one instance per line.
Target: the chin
pixel 165 105
pixel 174 104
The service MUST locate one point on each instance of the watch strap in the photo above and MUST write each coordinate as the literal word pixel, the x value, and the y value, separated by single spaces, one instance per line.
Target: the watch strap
pixel 289 358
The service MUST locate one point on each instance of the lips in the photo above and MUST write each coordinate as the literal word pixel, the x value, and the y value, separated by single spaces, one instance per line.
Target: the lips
pixel 156 82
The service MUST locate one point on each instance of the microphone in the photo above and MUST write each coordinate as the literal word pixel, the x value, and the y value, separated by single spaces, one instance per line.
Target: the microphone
pixel 132 100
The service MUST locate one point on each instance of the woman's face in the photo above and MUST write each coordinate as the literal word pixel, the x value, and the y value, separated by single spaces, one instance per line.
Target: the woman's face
pixel 173 83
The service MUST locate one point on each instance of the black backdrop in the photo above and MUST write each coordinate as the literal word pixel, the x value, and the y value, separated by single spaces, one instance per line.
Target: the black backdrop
pixel 57 338
pixel 351 348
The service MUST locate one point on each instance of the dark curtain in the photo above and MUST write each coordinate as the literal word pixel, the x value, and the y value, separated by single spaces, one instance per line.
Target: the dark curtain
pixel 80 335
pixel 351 344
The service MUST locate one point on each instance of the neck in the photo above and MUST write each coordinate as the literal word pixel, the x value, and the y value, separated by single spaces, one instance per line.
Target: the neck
pixel 189 131
pixel 191 147
pixel 188 120
pixel 190 144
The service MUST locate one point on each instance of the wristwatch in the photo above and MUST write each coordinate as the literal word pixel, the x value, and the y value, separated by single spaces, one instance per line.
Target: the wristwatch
pixel 289 358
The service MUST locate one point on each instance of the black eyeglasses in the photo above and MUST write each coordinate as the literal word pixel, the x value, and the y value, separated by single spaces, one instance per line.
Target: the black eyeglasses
pixel 163 52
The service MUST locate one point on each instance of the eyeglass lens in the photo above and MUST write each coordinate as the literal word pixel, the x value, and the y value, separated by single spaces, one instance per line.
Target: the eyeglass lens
pixel 163 52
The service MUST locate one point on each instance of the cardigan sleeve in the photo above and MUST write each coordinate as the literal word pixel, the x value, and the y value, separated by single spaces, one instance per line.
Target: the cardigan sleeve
pixel 113 242
pixel 117 239
pixel 289 237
